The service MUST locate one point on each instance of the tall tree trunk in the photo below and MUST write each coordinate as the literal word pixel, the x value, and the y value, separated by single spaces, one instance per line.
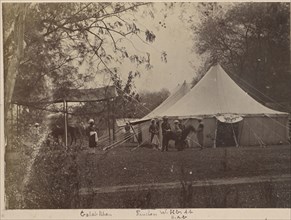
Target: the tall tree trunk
pixel 17 44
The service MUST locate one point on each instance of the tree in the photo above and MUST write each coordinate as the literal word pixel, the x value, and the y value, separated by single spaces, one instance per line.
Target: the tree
pixel 59 46
pixel 13 53
pixel 251 40
pixel 62 38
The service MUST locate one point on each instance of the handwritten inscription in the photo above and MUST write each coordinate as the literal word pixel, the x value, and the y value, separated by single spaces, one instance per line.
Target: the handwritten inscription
pixel 181 214
pixel 173 214
pixel 146 213
pixel 177 213
pixel 94 213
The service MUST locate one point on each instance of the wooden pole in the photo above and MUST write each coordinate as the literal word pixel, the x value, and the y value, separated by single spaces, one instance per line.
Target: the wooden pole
pixel 234 136
pixel 66 122
pixel 113 120
pixel 67 119
pixel 160 134
pixel 215 135
pixel 12 118
pixel 108 120
pixel 11 132
pixel 17 130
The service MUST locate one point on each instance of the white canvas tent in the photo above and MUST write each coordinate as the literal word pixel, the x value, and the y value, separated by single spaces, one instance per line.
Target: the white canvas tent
pixel 228 112
pixel 176 95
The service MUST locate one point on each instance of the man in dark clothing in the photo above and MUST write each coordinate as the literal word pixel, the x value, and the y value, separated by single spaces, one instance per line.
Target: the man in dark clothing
pixel 165 130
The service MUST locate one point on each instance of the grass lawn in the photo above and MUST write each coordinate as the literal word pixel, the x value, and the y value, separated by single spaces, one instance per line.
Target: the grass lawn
pixel 121 166
pixel 57 176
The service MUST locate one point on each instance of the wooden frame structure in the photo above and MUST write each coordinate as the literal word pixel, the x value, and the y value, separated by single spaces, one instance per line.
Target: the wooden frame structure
pixel 86 95
pixel 107 94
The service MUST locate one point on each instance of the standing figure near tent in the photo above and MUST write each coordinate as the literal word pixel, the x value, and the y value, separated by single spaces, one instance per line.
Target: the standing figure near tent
pixel 154 131
pixel 181 125
pixel 178 134
pixel 92 133
pixel 165 131
pixel 177 128
pixel 127 132
pixel 200 134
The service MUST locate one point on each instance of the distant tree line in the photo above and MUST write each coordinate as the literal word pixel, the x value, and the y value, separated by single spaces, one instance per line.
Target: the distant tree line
pixel 252 42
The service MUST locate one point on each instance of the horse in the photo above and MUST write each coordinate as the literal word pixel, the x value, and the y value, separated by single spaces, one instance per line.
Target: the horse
pixel 180 140
pixel 73 132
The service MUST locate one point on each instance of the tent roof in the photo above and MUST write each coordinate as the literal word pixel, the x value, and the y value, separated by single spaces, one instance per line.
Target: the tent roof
pixel 87 95
pixel 75 95
pixel 216 93
pixel 175 96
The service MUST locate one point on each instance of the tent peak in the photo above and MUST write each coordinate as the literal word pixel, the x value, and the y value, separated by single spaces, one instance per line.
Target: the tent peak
pixel 217 93
pixel 216 65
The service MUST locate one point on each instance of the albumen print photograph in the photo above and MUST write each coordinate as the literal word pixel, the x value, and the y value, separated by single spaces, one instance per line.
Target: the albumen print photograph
pixel 146 105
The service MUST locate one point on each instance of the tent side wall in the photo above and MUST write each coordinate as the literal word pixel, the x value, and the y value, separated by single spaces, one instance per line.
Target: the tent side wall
pixel 144 128
pixel 271 130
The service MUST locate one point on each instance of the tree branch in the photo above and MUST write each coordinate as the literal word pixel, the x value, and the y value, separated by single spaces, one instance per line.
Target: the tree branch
pixel 114 43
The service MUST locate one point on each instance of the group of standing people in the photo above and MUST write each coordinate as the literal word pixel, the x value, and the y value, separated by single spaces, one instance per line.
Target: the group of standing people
pixel 154 131
pixel 166 128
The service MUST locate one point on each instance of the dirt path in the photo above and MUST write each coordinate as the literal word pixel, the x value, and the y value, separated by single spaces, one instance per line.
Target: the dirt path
pixel 171 185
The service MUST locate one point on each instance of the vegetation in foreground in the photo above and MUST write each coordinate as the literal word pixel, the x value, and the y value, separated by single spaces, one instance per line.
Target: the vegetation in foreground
pixel 57 176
